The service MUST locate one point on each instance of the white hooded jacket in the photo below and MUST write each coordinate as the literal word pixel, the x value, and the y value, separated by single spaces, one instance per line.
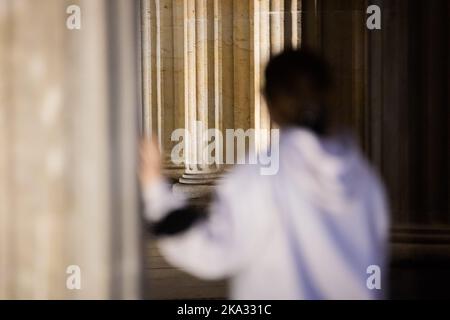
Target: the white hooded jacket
pixel 315 230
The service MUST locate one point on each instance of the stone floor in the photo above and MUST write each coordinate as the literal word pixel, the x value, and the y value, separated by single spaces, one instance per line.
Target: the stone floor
pixel 166 282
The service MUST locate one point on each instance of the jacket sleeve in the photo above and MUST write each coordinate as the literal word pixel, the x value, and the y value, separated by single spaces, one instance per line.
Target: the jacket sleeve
pixel 216 245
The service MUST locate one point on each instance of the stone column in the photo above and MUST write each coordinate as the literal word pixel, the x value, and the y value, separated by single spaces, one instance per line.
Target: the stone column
pixel 276 25
pixel 163 109
pixel 201 108
pixel 203 63
pixel 228 44
pixel 68 190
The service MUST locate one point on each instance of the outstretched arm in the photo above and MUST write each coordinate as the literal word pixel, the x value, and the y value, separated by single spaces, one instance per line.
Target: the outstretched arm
pixel 209 247
pixel 167 215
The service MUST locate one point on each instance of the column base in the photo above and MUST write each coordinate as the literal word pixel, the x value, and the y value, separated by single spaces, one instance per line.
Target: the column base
pixel 173 173
pixel 199 178
pixel 197 187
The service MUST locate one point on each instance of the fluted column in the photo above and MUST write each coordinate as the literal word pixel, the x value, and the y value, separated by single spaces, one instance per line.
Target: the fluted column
pixel 207 69
pixel 244 36
pixel 202 106
pixel 163 108
pixel 262 28
pixel 277 25
pixel 220 50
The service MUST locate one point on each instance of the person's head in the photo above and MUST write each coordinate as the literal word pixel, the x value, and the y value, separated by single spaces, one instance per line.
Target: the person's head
pixel 297 83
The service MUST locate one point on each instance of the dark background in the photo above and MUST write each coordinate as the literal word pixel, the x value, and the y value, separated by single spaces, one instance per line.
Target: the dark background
pixel 392 86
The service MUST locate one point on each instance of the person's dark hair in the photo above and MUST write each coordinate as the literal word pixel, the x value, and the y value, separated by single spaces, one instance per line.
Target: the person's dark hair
pixel 296 85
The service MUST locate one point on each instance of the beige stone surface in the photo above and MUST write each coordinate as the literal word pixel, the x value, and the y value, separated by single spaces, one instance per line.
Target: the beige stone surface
pixel 60 167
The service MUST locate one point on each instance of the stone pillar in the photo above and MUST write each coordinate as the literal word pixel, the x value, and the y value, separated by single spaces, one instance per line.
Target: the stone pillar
pixel 203 62
pixel 68 191
pixel 163 108
pixel 201 109
pixel 276 25
pixel 228 44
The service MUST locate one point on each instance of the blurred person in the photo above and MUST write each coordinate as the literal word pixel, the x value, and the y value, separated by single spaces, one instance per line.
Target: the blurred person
pixel 308 232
